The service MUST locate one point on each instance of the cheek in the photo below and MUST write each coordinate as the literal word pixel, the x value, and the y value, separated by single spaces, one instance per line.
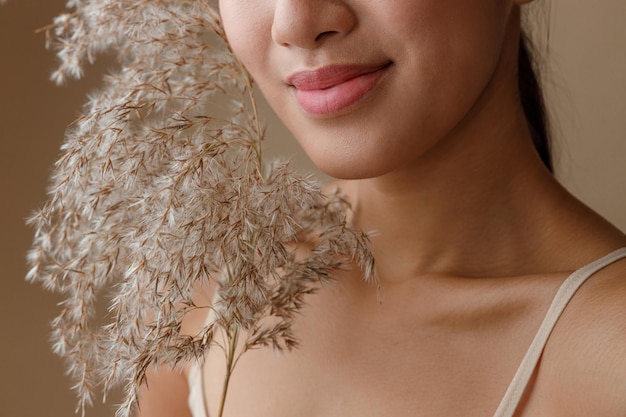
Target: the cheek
pixel 454 48
pixel 248 28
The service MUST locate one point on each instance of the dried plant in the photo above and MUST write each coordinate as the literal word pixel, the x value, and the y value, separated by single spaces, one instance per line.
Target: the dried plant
pixel 161 185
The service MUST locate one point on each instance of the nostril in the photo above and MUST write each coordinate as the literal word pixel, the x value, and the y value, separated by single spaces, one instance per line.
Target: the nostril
pixel 324 35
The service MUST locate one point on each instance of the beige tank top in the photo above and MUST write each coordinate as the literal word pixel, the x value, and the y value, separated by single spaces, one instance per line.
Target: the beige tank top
pixel 513 395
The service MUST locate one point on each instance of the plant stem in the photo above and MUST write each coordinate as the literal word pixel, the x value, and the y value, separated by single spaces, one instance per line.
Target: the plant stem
pixel 233 338
pixel 255 113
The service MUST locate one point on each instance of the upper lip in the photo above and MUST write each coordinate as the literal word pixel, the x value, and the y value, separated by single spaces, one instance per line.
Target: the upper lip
pixel 329 76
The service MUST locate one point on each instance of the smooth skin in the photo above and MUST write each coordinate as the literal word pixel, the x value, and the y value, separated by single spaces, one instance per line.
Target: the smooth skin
pixel 473 235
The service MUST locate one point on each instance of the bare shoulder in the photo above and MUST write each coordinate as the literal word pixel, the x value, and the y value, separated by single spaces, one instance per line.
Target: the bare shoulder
pixel 165 394
pixel 584 364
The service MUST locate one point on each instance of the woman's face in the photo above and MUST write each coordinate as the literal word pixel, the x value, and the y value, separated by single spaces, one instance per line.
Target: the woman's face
pixel 368 86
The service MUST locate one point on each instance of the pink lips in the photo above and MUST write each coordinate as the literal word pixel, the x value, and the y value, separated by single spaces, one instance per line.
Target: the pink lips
pixel 331 89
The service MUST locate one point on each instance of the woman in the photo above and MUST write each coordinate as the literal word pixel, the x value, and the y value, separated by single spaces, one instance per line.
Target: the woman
pixel 415 107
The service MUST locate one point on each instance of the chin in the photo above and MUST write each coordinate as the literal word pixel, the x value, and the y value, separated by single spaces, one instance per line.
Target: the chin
pixel 352 169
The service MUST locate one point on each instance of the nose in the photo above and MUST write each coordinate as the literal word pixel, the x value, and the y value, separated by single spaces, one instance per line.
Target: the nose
pixel 307 24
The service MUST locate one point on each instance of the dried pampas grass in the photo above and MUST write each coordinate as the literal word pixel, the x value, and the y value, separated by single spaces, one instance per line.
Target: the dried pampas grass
pixel 162 186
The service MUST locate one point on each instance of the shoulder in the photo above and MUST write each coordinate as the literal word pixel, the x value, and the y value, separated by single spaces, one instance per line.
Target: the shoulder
pixel 585 358
pixel 165 394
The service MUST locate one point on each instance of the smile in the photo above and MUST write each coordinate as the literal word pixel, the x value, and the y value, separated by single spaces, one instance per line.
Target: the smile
pixel 331 89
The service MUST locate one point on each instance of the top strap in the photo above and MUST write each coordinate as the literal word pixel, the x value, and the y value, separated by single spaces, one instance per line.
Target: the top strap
pixel 196 400
pixel 195 378
pixel 514 393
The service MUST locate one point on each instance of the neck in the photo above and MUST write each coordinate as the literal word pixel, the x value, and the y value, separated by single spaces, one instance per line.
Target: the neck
pixel 474 205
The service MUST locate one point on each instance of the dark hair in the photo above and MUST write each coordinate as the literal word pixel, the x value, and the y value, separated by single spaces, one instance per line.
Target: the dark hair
pixel 533 103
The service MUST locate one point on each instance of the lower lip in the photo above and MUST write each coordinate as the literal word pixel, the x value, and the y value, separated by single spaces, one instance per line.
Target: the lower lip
pixel 339 97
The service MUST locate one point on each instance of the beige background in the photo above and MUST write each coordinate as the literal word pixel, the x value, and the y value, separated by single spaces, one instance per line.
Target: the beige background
pixel 587 86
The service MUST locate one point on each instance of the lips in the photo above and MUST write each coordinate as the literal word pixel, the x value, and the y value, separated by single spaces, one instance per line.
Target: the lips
pixel 332 89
